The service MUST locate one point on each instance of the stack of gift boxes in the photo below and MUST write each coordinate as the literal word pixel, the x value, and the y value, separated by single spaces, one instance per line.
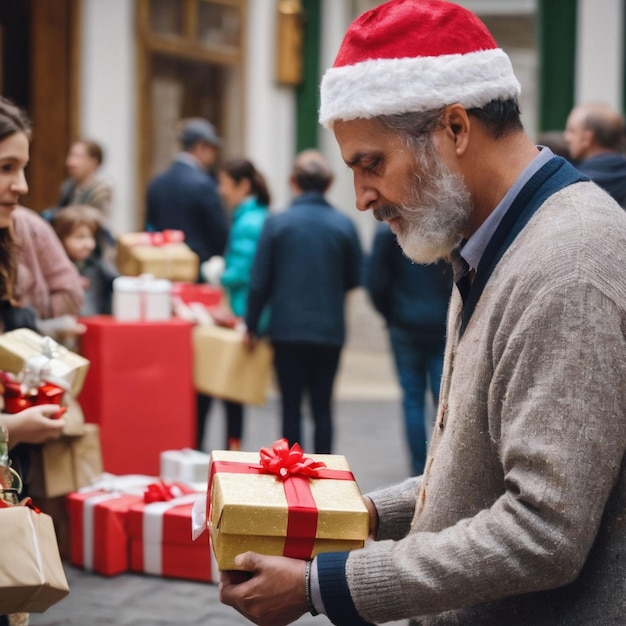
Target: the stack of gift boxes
pixel 142 523
pixel 158 493
pixel 37 370
pixel 277 501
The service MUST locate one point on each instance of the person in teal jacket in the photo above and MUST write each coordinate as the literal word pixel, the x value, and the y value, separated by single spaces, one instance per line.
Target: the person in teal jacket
pixel 244 192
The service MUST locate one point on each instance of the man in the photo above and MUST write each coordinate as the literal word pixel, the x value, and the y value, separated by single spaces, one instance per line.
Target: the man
pixel 84 185
pixel 185 197
pixel 594 134
pixel 518 518
pixel 308 258
pixel 413 299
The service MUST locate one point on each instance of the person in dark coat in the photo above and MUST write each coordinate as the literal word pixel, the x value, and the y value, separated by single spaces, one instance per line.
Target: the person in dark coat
pixel 594 134
pixel 308 258
pixel 185 197
pixel 413 300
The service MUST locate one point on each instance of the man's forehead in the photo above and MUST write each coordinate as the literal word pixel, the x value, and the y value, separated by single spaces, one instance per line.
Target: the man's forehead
pixel 359 138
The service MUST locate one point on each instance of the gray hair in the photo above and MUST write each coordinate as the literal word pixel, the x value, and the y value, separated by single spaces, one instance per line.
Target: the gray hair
pixel 311 171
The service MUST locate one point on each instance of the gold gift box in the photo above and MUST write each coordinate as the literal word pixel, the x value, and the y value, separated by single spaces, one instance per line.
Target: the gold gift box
pixel 64 465
pixel 174 261
pixel 19 346
pixel 249 511
pixel 224 368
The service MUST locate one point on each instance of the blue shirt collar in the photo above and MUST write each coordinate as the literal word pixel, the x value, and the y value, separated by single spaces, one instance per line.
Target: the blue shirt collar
pixel 474 248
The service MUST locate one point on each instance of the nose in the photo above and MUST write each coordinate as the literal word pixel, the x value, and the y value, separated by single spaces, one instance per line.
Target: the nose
pixel 365 196
pixel 19 184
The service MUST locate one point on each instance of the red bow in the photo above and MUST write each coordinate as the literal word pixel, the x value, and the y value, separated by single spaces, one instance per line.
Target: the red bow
pixel 162 491
pixel 159 238
pixel 284 461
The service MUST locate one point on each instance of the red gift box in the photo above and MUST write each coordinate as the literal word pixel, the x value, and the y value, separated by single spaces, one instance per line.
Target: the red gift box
pixel 139 390
pixel 18 396
pixel 99 539
pixel 206 295
pixel 161 542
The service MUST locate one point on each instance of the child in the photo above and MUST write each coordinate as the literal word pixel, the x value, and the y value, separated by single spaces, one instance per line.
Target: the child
pixel 79 229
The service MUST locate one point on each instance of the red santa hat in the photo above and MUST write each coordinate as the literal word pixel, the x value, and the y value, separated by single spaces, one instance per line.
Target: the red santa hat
pixel 414 55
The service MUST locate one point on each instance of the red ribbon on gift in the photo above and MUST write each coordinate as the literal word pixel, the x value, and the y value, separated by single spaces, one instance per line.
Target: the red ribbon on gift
pixel 164 491
pixel 160 238
pixel 18 397
pixel 295 471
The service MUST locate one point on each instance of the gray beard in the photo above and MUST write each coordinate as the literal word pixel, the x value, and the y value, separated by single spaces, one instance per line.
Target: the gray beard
pixel 432 220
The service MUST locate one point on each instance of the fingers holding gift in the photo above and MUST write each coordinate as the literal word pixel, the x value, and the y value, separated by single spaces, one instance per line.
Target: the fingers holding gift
pixel 270 590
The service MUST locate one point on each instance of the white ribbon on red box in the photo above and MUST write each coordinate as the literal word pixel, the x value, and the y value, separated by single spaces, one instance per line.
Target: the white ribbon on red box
pixel 114 487
pixel 153 531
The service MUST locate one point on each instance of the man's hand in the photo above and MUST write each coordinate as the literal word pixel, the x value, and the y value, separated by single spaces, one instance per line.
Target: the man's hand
pixel 270 592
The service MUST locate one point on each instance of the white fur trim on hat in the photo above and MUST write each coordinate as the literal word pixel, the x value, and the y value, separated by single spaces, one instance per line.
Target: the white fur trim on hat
pixel 390 86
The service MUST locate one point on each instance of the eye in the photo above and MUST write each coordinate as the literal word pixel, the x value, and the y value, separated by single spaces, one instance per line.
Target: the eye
pixel 372 164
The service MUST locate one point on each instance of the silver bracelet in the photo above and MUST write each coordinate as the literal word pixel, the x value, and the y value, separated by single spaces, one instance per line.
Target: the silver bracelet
pixel 307 589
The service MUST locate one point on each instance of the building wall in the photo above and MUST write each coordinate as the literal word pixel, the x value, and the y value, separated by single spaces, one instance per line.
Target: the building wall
pixel 599 52
pixel 107 108
pixel 108 89
pixel 270 108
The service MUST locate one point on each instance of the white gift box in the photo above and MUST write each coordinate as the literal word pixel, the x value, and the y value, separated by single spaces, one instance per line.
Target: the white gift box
pixel 186 465
pixel 142 298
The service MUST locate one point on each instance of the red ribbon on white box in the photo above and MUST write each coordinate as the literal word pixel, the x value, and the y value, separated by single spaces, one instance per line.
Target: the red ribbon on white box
pixel 153 531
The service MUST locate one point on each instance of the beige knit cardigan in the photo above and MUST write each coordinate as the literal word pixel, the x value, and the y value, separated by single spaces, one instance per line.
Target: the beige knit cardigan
pixel 520 517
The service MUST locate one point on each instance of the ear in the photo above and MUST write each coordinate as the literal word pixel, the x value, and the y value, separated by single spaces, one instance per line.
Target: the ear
pixel 588 139
pixel 245 185
pixel 457 126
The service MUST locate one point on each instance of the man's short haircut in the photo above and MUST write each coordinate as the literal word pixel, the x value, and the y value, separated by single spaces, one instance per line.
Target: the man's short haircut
pixel 93 149
pixel 607 130
pixel 311 172
pixel 500 117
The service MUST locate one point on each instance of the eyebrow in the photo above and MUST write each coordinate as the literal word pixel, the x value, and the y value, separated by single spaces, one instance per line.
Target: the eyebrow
pixel 357 158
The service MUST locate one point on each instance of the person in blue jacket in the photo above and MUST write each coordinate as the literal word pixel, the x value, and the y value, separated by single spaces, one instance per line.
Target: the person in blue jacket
pixel 309 257
pixel 184 197
pixel 245 193
pixel 413 300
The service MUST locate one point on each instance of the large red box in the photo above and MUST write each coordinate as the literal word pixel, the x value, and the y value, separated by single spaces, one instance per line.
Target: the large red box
pixel 139 390
pixel 161 543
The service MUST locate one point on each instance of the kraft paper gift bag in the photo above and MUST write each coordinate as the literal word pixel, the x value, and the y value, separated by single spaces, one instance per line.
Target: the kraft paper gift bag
pixel 64 465
pixel 31 572
pixel 224 368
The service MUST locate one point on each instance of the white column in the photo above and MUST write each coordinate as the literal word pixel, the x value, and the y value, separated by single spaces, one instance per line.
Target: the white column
pixel 270 108
pixel 599 52
pixel 336 17
pixel 107 98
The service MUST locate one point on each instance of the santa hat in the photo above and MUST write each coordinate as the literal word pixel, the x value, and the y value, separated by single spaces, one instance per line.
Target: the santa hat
pixel 414 55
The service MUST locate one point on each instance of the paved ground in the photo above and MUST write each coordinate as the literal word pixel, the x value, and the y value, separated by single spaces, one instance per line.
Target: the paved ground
pixel 368 432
